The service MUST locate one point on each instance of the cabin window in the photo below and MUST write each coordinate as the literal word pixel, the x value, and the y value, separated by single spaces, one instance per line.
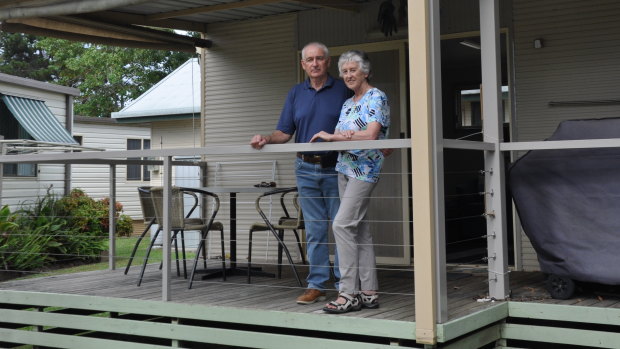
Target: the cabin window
pixel 138 172
pixel 469 107
pixel 11 129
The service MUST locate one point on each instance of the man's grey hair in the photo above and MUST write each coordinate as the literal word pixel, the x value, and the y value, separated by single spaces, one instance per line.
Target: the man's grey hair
pixel 316 44
pixel 360 57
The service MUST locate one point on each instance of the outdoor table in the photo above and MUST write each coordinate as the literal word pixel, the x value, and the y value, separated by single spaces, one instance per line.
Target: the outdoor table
pixel 232 193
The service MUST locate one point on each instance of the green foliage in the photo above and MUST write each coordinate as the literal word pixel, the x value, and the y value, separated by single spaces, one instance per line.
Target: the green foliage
pixel 92 217
pixel 85 215
pixel 51 230
pixel 19 55
pixel 124 226
pixel 23 249
pixel 107 76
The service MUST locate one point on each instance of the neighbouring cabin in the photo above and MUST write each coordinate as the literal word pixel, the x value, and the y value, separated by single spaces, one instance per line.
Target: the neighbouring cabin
pixel 41 115
pixel 107 134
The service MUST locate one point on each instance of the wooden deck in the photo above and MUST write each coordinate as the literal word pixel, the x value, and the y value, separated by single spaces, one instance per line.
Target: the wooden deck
pixel 466 290
pixel 105 309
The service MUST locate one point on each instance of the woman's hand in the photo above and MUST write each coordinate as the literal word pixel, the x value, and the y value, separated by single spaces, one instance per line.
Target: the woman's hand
pixel 322 135
pixel 347 134
pixel 387 151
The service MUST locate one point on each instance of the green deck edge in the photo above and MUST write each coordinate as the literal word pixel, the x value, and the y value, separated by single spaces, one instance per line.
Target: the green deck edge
pixel 582 314
pixel 471 331
pixel 302 321
pixel 164 331
pixel 477 339
pixel 568 336
pixel 472 322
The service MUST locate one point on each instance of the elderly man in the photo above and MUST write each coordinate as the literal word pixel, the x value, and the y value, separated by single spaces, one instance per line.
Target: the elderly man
pixel 313 106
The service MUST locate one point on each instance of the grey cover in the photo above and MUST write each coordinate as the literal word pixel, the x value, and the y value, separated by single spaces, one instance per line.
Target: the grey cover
pixel 569 203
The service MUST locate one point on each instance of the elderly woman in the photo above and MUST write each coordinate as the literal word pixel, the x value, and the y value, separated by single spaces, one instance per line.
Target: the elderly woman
pixel 365 116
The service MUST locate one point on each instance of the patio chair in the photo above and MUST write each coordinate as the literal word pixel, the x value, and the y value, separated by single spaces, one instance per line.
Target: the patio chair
pixel 287 222
pixel 181 223
pixel 209 224
pixel 148 214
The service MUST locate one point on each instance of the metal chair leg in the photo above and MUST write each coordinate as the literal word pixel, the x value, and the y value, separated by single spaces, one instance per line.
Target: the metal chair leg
pixel 288 256
pixel 135 247
pixel 223 254
pixel 281 234
pixel 146 257
pixel 250 256
pixel 176 253
pixel 183 254
pixel 203 238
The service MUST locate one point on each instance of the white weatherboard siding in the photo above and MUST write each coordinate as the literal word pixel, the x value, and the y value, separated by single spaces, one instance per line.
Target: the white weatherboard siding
pixel 578 62
pixel 16 190
pixel 249 70
pixel 95 179
pixel 176 133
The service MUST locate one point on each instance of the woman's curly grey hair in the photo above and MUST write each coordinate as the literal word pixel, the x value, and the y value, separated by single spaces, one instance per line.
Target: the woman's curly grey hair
pixel 359 57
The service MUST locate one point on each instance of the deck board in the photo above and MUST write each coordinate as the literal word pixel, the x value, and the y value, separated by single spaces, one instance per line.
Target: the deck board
pixel 396 287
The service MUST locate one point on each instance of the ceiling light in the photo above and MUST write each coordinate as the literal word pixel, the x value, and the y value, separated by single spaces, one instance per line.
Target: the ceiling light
pixel 470 44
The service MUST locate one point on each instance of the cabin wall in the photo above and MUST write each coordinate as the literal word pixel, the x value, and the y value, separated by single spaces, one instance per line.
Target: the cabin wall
pixel 94 180
pixel 17 190
pixel 249 70
pixel 577 63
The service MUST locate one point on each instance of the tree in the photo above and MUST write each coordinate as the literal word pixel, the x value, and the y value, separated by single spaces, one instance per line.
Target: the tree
pixel 20 56
pixel 108 77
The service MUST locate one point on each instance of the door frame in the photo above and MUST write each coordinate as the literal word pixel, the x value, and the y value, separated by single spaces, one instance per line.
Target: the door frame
pixel 400 46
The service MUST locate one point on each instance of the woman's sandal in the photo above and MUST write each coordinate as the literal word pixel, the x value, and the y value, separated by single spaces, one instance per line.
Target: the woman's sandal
pixel 352 303
pixel 369 300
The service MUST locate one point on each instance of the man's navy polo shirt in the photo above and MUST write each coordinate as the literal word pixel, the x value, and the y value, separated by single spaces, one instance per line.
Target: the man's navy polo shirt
pixel 307 111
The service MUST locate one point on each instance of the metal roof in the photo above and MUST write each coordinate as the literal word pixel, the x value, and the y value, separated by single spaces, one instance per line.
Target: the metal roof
pixel 36 118
pixel 129 23
pixel 173 95
pixel 213 11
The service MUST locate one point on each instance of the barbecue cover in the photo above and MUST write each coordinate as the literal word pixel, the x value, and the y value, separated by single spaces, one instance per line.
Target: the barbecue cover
pixel 569 203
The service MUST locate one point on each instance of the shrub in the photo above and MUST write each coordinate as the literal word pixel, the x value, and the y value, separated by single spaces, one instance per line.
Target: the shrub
pixel 21 248
pixel 50 230
pixel 124 225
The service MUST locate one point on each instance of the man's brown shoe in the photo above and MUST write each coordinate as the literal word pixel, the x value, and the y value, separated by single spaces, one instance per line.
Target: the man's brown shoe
pixel 310 296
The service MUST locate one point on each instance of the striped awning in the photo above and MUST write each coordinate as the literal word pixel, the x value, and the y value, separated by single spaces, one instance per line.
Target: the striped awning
pixel 38 120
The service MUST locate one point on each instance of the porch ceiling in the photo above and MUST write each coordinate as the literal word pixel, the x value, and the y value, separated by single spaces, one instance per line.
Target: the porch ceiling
pixel 126 22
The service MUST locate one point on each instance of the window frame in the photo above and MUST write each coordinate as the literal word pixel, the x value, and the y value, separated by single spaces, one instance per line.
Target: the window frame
pixel 134 172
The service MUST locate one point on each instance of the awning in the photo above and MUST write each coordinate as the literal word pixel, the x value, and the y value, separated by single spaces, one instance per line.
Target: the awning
pixel 38 120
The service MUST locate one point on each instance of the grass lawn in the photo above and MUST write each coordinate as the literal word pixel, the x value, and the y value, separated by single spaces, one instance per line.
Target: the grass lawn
pixel 124 246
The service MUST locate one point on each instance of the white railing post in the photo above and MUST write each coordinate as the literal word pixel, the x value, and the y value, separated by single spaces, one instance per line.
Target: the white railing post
pixel 495 207
pixel 112 220
pixel 437 124
pixel 167 227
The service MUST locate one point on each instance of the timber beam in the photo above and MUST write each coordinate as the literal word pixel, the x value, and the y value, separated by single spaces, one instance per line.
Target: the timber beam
pixel 82 29
pixel 27 29
pixel 137 30
pixel 42 8
pixel 143 20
